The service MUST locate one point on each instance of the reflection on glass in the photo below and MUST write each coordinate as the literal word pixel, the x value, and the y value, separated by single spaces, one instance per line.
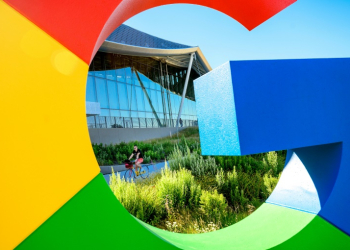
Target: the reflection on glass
pixel 123 96
pixel 104 112
pixel 154 100
pixel 173 104
pixel 102 97
pixel 113 94
pixel 115 112
pixel 128 75
pixel 157 86
pixel 134 114
pixel 145 80
pixel 111 75
pixel 166 103
pixel 140 99
pixel 187 106
pixel 120 94
pixel 132 97
pixel 135 80
pixel 101 74
pixel 120 75
pixel 149 115
pixel 178 101
pixel 148 100
pixel 152 84
pixel 90 90
pixel 191 108
pixel 124 113
pixel 142 114
pixel 160 104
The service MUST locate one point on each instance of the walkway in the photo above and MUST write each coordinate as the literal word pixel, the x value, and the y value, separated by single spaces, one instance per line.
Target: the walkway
pixel 107 170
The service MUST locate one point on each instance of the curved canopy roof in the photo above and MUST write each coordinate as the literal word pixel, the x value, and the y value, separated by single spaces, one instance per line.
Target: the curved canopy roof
pixel 129 41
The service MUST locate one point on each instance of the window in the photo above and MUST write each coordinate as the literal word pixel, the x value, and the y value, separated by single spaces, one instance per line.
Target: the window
pixel 113 95
pixel 154 100
pixel 90 89
pixel 134 114
pixel 111 74
pixel 128 75
pixel 145 80
pixel 113 83
pixel 160 102
pixel 132 97
pixel 120 75
pixel 140 99
pixel 104 112
pixel 124 113
pixel 123 96
pixel 115 112
pixel 101 88
pixel 148 101
pixel 152 84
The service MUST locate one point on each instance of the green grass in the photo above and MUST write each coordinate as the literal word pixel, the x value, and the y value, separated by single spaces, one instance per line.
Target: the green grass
pixel 196 194
pixel 180 200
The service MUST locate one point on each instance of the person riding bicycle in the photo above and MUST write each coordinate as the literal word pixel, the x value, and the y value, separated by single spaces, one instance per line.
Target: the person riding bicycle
pixel 139 159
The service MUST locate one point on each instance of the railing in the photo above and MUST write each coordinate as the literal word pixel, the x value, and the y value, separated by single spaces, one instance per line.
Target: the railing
pixel 128 122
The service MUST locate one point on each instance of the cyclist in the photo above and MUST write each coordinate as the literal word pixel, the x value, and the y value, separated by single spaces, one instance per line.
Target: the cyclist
pixel 139 159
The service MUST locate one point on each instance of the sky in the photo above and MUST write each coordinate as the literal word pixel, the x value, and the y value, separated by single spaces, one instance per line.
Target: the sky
pixel 306 29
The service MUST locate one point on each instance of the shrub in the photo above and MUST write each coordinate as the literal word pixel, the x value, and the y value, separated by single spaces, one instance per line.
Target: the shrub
pixel 227 184
pixel 120 157
pixel 178 188
pixel 167 148
pixel 270 183
pixel 213 205
pixel 193 162
pixel 239 188
pixel 124 148
pixel 201 166
pixel 140 201
pixel 272 161
pixel 146 159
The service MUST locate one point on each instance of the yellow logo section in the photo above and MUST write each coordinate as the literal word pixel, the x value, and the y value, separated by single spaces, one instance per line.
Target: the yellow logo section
pixel 46 155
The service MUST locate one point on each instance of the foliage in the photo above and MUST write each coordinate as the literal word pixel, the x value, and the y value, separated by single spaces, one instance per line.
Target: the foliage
pixel 270 182
pixel 178 188
pixel 195 194
pixel 140 201
pixel 197 164
pixel 250 164
pixel 155 150
pixel 240 188
pixel 213 205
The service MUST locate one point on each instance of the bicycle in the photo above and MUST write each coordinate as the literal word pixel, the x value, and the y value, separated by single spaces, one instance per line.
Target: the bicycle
pixel 154 165
pixel 130 172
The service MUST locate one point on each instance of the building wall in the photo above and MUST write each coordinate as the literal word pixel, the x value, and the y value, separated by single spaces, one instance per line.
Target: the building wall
pixel 113 136
pixel 125 87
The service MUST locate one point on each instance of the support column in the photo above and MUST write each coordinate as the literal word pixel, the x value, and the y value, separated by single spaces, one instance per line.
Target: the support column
pixel 185 89
pixel 169 97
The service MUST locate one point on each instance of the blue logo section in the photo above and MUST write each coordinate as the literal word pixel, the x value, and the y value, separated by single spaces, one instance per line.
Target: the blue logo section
pixel 216 113
pixel 302 105
pixel 295 188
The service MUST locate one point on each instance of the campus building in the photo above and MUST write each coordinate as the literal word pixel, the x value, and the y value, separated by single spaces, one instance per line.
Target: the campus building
pixel 137 81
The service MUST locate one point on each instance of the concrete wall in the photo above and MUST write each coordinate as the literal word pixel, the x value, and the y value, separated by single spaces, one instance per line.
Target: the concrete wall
pixel 117 135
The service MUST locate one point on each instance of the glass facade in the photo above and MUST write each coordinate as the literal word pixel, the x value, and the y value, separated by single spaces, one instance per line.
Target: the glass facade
pixel 138 87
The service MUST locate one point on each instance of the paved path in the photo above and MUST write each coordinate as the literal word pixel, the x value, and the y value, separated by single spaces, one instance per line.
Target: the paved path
pixel 107 170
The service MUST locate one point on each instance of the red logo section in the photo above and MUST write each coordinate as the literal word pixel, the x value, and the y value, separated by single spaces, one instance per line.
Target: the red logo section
pixel 83 25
